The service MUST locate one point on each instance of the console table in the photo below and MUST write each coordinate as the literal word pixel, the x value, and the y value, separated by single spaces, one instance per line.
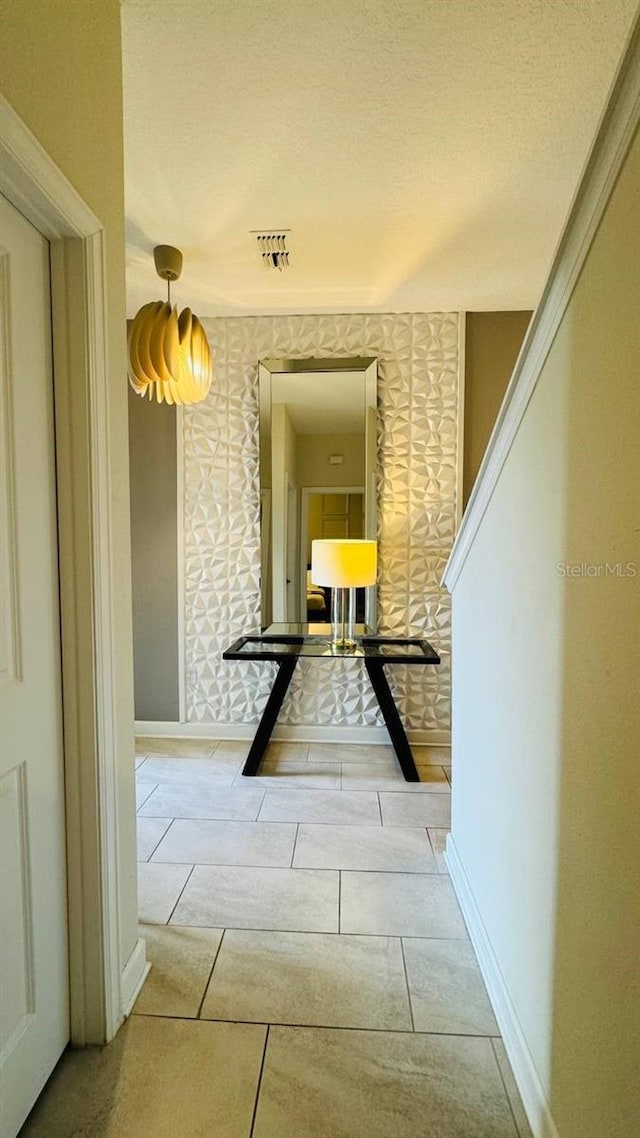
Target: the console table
pixel 285 644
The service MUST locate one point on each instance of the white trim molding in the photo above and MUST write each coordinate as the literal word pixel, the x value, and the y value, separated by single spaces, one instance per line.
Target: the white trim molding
pixel 614 137
pixel 134 975
pixel 100 983
pixel 304 733
pixel 462 377
pixel 36 186
pixel 11 666
pixel 85 588
pixel 531 1090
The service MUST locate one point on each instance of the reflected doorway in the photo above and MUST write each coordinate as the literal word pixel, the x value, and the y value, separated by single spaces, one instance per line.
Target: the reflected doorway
pixel 328 511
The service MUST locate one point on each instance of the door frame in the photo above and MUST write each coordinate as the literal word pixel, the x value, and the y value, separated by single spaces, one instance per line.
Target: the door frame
pixel 305 494
pixel 33 183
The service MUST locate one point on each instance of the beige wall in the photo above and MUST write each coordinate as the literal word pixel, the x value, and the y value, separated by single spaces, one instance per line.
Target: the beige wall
pixel 314 468
pixel 492 343
pixel 60 68
pixel 546 716
pixel 154 558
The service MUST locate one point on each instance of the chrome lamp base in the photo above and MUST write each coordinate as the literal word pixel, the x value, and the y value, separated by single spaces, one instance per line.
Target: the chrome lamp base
pixel 343 619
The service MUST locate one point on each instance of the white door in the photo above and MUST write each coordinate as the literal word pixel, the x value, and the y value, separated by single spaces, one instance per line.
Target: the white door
pixel 34 985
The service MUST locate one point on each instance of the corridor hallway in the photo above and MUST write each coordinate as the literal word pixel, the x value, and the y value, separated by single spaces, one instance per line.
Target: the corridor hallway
pixel 311 972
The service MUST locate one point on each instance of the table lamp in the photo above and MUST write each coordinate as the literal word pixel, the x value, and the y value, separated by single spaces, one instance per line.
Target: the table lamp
pixel 343 564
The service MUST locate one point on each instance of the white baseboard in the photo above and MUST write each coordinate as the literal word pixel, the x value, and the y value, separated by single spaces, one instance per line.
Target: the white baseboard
pixel 375 736
pixel 133 977
pixel 531 1091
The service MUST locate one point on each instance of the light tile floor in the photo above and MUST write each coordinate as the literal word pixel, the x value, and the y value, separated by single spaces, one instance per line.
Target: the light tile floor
pixel 311 972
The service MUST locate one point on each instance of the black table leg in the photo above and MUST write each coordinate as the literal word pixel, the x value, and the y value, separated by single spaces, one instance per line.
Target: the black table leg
pixel 286 668
pixel 392 719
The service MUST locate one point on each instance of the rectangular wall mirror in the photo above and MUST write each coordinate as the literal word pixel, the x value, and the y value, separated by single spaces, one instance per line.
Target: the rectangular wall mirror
pixel 317 477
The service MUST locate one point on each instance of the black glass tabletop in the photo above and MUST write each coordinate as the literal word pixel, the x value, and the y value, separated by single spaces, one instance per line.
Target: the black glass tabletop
pixel 276 645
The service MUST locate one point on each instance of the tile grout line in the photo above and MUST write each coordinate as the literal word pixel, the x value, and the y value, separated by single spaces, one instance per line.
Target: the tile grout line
pixel 286 782
pixel 259 1086
pixel 216 784
pixel 406 980
pixel 433 852
pixel 297 868
pixel 295 843
pixel 339 898
pixel 308 821
pixel 504 1084
pixel 316 932
pixel 236 821
pixel 168 920
pixel 259 811
pixel 147 797
pixel 160 841
pixel 206 987
pixel 301 821
pixel 405 790
pixel 325 1027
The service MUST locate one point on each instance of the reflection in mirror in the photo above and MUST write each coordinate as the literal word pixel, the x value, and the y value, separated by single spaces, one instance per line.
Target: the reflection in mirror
pixel 317 478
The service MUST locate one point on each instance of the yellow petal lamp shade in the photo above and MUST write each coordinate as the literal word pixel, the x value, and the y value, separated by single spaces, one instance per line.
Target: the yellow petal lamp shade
pixel 169 356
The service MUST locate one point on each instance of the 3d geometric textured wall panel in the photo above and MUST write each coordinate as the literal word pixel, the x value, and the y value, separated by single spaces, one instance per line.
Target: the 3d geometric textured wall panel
pixel 417 486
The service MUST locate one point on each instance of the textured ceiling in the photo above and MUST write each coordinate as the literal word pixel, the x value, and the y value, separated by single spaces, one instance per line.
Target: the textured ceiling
pixel 424 153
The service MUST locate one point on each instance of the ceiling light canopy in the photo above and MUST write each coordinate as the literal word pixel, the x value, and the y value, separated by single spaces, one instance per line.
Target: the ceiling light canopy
pixel 169 355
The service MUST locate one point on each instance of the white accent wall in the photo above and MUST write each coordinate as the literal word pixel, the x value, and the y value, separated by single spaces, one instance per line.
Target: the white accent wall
pixel 417 488
pixel 546 710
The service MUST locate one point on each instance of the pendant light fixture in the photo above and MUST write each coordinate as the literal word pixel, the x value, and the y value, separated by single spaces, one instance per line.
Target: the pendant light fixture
pixel 169 355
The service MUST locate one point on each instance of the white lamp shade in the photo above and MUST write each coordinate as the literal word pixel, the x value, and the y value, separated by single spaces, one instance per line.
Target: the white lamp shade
pixel 344 563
